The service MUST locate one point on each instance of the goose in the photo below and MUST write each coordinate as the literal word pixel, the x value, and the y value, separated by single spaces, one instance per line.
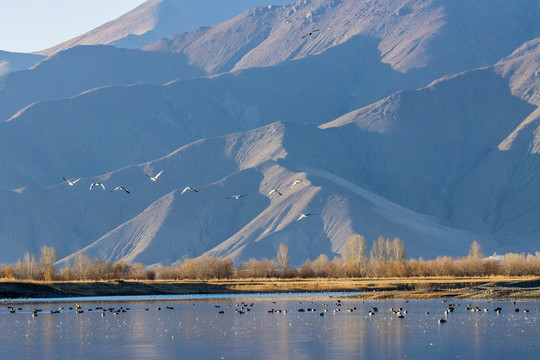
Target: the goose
pixel 97 184
pixel 310 33
pixel 298 182
pixel 154 178
pixel 274 191
pixel 188 188
pixel 71 183
pixel 303 216
pixel 236 197
pixel 120 188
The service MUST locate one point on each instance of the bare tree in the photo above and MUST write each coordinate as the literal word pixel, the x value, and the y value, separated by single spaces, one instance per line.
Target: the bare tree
pixel 354 255
pixel 29 266
pixel 47 260
pixel 320 266
pixel 475 251
pixel 282 257
pixel 81 265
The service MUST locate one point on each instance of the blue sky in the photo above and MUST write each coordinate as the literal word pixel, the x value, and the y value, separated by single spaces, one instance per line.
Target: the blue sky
pixel 32 25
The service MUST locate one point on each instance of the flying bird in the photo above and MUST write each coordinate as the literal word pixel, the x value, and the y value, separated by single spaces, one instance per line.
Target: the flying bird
pixel 236 197
pixel 274 191
pixel 120 188
pixel 298 182
pixel 303 216
pixel 71 183
pixel 97 184
pixel 310 33
pixel 154 178
pixel 188 188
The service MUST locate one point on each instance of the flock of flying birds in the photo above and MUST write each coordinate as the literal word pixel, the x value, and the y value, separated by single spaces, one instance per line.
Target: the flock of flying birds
pixel 236 197
pixel 188 188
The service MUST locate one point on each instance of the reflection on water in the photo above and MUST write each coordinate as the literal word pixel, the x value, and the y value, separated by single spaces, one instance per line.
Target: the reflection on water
pixel 196 329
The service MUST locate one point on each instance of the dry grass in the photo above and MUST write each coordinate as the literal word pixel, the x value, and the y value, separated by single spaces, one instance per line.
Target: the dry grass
pixel 425 287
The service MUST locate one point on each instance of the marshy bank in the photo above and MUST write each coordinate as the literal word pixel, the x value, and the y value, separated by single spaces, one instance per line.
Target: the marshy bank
pixel 372 288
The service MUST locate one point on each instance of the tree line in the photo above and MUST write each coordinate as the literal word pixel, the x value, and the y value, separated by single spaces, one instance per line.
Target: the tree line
pixel 386 258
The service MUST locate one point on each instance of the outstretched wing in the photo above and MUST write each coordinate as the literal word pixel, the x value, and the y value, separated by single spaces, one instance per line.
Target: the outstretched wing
pixel 159 173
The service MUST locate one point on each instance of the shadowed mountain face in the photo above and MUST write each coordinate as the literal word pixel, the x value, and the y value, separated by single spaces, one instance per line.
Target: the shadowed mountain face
pixel 10 62
pixel 82 68
pixel 355 110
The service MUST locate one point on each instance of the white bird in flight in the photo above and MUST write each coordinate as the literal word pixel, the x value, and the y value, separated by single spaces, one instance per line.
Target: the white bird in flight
pixel 120 188
pixel 298 182
pixel 154 178
pixel 188 188
pixel 97 184
pixel 71 183
pixel 236 197
pixel 274 191
pixel 303 216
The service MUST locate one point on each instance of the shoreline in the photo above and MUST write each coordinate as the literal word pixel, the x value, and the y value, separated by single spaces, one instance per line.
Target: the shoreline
pixel 380 288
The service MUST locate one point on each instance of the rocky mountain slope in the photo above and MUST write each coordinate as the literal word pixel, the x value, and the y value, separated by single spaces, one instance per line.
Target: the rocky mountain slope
pixel 435 144
pixel 157 19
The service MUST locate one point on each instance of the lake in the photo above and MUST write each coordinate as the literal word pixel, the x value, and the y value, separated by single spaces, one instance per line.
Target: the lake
pixel 194 328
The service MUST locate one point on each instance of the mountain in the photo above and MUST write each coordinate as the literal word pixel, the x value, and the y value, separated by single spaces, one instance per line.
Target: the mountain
pixel 436 145
pixel 431 151
pixel 157 19
pixel 10 62
pixel 82 68
pixel 438 37
pixel 155 224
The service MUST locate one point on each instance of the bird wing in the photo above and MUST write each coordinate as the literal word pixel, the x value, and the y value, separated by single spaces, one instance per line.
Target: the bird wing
pixel 194 189
pixel 126 190
pixel 294 183
pixel 301 217
pixel 271 191
pixel 280 194
pixel 148 175
pixel 76 180
pixel 92 185
pixel 183 191
pixel 116 188
pixel 103 186
pixel 159 173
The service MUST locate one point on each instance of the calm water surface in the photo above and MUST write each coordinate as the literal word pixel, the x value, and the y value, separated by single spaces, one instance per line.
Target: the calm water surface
pixel 195 329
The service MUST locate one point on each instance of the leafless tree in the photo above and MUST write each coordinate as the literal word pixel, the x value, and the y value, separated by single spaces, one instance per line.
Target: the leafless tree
pixel 354 255
pixel 475 251
pixel 282 256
